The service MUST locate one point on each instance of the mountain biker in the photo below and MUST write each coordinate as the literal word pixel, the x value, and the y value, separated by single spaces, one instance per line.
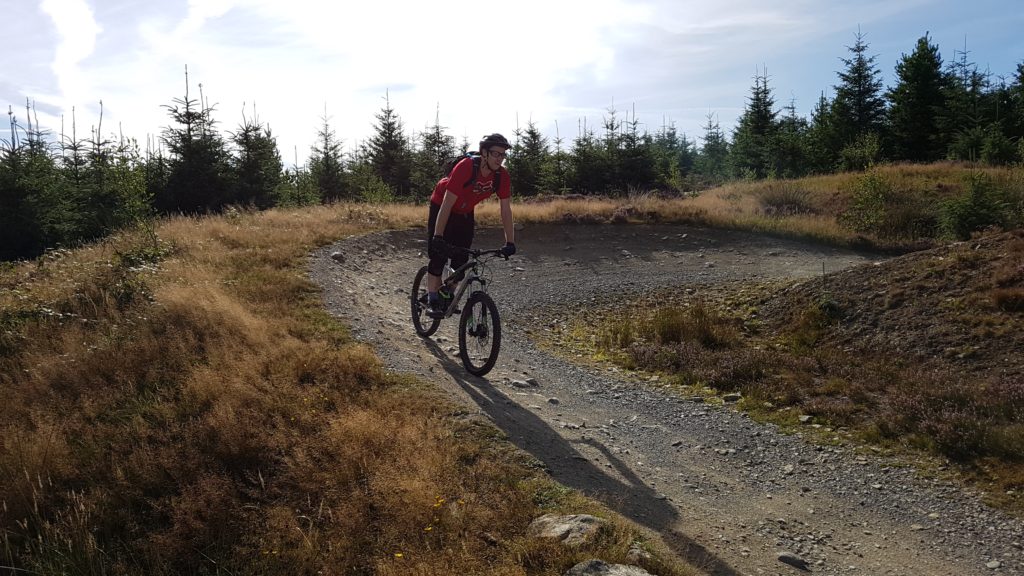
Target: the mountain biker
pixel 451 222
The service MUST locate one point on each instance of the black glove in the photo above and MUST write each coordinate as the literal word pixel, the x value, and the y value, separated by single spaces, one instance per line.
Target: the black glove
pixel 508 249
pixel 437 248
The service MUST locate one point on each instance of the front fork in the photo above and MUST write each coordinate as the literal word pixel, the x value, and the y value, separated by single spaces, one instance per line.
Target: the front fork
pixel 478 321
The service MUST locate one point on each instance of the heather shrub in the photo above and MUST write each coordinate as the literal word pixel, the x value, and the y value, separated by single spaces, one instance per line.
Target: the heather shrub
pixel 960 420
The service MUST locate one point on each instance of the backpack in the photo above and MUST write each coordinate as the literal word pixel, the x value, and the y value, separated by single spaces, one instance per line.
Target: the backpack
pixel 449 165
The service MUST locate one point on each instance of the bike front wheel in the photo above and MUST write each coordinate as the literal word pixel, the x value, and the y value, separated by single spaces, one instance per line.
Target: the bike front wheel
pixel 425 325
pixel 479 334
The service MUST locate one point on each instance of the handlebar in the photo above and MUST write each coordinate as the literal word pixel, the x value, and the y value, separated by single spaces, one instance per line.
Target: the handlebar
pixel 477 253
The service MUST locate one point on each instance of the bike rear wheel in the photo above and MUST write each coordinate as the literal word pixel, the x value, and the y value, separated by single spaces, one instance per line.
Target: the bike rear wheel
pixel 479 334
pixel 425 325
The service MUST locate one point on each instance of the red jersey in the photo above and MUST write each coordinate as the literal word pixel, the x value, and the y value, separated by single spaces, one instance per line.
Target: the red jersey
pixel 477 191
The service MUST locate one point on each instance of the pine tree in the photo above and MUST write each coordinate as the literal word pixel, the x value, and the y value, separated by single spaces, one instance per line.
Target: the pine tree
pixel 113 193
pixel 999 106
pixel 666 147
pixel 365 182
pixel 556 171
pixel 686 155
pixel 964 120
pixel 128 178
pixel 438 145
pixel 73 152
pixel 527 159
pixel 435 147
pixel 824 138
pixel 996 148
pixel 97 199
pixel 590 168
pixel 858 107
pixel 789 148
pixel 916 103
pixel 610 152
pixel 156 170
pixel 389 151
pixel 297 188
pixel 199 173
pixel 674 157
pixel 751 154
pixel 75 160
pixel 34 212
pixel 637 165
pixel 326 166
pixel 16 228
pixel 256 163
pixel 1015 113
pixel 713 159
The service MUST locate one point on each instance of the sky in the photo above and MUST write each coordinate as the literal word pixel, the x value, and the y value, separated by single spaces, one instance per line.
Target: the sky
pixel 474 67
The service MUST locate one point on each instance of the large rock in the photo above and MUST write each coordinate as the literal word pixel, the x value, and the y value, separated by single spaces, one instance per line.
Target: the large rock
pixel 793 560
pixel 600 568
pixel 572 530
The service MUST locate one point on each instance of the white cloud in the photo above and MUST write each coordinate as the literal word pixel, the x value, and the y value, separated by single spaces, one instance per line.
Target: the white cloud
pixel 479 63
pixel 77 30
pixel 486 66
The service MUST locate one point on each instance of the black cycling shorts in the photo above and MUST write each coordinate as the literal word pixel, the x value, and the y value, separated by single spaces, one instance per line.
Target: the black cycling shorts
pixel 458 232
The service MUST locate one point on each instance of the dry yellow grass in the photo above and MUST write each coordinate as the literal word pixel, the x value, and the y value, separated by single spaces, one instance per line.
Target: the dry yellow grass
pixel 179 402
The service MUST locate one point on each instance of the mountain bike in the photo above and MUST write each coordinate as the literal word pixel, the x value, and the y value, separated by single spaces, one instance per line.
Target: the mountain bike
pixel 479 321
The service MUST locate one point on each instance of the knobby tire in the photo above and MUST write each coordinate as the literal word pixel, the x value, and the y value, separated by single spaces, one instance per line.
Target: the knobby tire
pixel 479 334
pixel 424 325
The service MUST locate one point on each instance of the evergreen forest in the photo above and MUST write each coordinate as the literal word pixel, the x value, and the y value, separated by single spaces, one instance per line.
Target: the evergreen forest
pixel 60 190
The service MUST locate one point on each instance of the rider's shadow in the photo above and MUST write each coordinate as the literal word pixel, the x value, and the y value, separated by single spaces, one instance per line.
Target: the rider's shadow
pixel 628 496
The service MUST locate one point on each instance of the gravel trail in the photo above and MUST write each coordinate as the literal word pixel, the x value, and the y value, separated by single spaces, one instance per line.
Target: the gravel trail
pixel 722 491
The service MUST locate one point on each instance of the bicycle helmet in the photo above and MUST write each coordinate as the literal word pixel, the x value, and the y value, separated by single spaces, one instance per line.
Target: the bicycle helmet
pixel 493 140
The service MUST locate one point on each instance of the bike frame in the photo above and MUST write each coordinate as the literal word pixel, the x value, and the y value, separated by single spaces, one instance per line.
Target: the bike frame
pixel 480 321
pixel 472 275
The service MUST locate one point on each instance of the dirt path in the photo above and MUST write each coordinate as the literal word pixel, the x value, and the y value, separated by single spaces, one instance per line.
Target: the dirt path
pixel 721 490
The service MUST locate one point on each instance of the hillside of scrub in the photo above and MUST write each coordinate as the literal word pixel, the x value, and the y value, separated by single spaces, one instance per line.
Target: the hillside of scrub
pixel 960 305
pixel 938 340
pixel 921 355
pixel 892 208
